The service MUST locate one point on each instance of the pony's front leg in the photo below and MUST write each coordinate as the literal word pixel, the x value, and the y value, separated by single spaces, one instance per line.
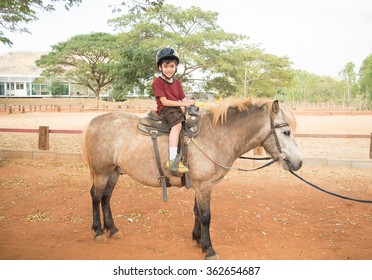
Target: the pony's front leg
pixel 196 232
pixel 201 232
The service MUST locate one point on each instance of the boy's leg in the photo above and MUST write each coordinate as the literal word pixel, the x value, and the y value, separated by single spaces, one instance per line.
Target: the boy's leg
pixel 173 140
pixel 173 143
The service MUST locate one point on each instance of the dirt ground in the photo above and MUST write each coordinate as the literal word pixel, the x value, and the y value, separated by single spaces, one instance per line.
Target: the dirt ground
pixel 45 208
pixel 45 213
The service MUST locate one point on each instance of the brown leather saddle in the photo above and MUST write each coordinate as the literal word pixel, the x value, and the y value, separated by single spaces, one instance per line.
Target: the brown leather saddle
pixel 153 122
pixel 153 125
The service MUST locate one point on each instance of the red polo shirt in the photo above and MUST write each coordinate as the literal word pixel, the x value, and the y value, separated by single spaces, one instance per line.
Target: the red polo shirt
pixel 172 91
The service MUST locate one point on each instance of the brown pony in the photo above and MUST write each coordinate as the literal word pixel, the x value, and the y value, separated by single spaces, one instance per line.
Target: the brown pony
pixel 113 146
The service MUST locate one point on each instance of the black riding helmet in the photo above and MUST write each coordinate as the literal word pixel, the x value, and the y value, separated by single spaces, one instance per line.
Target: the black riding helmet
pixel 166 53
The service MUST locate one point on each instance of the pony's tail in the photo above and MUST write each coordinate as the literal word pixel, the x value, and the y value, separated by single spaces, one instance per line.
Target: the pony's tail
pixel 85 154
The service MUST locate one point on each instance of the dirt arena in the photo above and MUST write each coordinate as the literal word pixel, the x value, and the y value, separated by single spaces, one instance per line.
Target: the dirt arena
pixel 45 208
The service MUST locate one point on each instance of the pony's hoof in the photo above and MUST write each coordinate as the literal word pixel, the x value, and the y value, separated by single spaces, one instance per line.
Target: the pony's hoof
pixel 101 238
pixel 214 257
pixel 117 235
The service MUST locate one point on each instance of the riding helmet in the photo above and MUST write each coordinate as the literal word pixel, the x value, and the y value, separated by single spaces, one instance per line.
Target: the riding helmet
pixel 166 53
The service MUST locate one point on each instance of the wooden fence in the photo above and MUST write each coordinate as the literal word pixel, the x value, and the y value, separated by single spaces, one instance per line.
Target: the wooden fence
pixel 44 132
pixel 10 109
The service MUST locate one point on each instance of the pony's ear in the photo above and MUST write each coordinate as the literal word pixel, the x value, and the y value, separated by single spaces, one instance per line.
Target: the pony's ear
pixel 275 107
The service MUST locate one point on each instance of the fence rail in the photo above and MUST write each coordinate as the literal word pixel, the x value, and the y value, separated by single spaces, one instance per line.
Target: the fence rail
pixel 44 132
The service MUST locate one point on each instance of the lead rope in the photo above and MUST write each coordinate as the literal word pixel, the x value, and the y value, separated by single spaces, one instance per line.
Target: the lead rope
pixel 328 192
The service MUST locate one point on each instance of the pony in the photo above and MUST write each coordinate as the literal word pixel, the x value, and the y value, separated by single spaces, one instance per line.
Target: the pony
pixel 113 146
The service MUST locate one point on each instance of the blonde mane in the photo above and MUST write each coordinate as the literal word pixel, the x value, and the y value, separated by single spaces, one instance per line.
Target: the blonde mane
pixel 220 111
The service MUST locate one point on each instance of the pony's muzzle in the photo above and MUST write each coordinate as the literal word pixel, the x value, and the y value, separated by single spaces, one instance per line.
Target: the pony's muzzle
pixel 290 166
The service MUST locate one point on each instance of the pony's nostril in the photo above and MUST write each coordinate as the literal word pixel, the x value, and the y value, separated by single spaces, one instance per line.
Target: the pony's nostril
pixel 300 164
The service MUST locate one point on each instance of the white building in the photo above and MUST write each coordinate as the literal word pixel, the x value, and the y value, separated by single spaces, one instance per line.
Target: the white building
pixel 22 86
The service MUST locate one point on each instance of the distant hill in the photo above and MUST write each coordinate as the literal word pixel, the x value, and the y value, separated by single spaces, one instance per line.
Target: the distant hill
pixel 20 63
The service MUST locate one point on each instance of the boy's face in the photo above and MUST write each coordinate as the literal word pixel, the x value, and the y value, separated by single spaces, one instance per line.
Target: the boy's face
pixel 168 68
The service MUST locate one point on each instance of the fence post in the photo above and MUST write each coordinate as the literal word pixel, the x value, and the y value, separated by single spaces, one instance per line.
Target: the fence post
pixel 43 137
pixel 10 109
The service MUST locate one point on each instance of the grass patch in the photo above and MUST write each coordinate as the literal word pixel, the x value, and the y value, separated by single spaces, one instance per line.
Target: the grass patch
pixel 39 217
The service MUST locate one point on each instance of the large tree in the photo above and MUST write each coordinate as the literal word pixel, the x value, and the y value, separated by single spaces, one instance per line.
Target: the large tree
pixel 222 62
pixel 84 59
pixel 194 33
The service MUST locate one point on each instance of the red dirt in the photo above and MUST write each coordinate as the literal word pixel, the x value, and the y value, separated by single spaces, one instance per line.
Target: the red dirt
pixel 45 213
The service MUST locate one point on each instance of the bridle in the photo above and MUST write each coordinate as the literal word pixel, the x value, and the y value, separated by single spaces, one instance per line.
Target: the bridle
pixel 273 127
pixel 282 156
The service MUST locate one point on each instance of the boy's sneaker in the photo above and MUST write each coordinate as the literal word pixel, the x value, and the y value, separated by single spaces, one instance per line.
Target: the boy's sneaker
pixel 181 168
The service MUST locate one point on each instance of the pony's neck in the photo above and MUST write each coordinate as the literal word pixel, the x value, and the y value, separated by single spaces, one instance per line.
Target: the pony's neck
pixel 241 132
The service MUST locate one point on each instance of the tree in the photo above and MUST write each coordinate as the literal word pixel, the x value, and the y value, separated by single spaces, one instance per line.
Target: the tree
pixel 349 77
pixel 199 41
pixel 251 71
pixel 15 13
pixel 84 59
pixel 309 87
pixel 365 77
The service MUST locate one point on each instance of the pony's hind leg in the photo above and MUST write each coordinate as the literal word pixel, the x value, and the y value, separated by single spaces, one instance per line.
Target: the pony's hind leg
pixel 106 208
pixel 96 192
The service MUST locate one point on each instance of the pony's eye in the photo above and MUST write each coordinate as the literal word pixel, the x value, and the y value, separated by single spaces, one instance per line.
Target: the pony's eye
pixel 287 133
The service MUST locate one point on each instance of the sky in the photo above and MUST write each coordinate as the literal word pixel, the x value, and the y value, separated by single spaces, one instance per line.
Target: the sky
pixel 318 36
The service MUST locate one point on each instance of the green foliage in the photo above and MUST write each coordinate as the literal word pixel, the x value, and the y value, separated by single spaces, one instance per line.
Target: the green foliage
pixel 84 59
pixel 365 78
pixel 14 13
pixel 247 70
pixel 199 41
pixel 58 88
pixel 224 63
pixel 348 76
pixel 309 87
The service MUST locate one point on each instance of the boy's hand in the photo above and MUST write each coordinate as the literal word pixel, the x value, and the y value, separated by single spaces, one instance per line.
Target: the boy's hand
pixel 190 102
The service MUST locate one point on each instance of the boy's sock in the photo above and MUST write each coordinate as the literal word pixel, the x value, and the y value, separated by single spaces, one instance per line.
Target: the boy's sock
pixel 172 153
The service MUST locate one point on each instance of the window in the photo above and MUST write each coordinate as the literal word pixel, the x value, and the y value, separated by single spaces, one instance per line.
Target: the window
pixel 10 86
pixel 20 86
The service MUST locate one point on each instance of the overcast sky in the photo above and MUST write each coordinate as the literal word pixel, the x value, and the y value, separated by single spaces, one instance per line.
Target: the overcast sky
pixel 319 36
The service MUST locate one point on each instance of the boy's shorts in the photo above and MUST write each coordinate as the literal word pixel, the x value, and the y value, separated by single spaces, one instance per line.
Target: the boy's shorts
pixel 173 115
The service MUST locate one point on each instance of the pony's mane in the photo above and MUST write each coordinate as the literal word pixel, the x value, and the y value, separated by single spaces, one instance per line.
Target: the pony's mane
pixel 220 112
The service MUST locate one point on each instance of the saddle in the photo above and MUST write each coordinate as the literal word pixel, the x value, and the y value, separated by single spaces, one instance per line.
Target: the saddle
pixel 153 125
pixel 153 122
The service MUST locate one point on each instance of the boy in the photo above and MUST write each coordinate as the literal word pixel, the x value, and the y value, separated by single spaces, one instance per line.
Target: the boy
pixel 169 99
